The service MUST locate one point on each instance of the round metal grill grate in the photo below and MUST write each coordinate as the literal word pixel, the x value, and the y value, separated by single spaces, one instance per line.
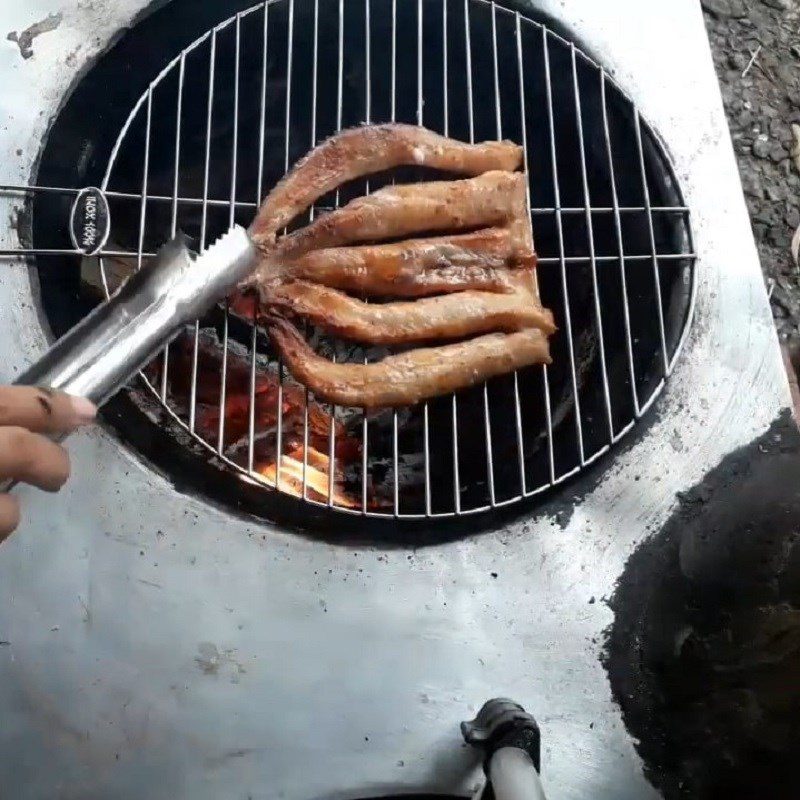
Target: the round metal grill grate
pixel 231 113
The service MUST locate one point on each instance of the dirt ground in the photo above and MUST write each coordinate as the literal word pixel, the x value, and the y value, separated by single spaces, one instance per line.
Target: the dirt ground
pixel 756 47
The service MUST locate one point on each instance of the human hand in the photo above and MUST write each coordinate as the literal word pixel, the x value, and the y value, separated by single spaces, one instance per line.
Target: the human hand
pixel 26 413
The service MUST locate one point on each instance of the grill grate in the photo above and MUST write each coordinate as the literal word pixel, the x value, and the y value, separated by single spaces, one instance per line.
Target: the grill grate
pixel 232 112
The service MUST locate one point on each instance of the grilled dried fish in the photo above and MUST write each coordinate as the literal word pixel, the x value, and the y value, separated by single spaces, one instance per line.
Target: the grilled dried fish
pixel 494 198
pixel 412 268
pixel 410 377
pixel 450 316
pixel 356 152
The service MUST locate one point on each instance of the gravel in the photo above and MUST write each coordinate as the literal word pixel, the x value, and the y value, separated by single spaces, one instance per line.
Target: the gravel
pixel 762 100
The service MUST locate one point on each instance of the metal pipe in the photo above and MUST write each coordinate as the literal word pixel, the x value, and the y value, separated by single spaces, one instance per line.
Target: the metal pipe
pixel 513 776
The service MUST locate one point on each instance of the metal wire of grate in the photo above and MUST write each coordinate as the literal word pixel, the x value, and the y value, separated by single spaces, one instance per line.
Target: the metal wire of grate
pixel 232 112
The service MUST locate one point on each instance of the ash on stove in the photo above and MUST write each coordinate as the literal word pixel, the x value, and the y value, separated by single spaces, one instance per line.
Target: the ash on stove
pixel 704 652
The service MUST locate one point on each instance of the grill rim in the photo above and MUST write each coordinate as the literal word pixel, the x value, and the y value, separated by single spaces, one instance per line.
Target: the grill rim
pixel 459 511
pixel 484 510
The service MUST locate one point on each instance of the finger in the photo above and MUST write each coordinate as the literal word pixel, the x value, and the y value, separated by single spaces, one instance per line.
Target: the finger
pixel 44 410
pixel 32 458
pixel 9 514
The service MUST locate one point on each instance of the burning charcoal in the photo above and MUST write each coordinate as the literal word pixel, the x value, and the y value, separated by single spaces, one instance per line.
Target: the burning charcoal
pixel 276 403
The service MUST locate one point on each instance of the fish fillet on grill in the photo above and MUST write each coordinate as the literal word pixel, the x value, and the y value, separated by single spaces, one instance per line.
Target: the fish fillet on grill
pixel 494 198
pixel 470 271
pixel 357 152
pixel 450 316
pixel 410 377
pixel 411 268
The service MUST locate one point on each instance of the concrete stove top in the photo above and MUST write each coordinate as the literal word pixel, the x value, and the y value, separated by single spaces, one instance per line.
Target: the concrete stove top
pixel 157 646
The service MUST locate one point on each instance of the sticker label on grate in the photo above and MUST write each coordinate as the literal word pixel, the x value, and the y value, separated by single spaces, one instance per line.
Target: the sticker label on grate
pixel 89 221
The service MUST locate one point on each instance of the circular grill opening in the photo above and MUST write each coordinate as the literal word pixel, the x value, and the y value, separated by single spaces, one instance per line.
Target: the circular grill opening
pixel 198 144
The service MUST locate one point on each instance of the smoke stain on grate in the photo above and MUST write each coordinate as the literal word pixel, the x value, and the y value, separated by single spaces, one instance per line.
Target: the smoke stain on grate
pixel 705 647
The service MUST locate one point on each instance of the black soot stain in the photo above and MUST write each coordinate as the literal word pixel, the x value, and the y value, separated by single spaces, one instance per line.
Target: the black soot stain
pixel 704 652
pixel 25 39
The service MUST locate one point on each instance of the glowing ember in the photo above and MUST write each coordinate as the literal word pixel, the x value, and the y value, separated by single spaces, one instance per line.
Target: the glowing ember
pixel 273 404
pixel 317 477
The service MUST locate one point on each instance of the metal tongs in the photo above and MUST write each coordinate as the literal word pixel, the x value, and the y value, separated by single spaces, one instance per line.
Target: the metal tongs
pixel 109 346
